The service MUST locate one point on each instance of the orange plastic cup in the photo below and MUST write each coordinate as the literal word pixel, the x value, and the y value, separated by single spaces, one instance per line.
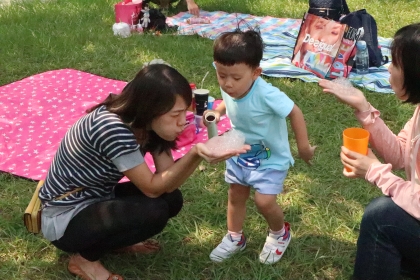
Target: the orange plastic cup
pixel 356 139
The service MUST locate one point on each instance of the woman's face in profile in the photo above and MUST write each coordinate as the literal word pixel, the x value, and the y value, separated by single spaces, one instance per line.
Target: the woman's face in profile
pixel 170 125
pixel 396 80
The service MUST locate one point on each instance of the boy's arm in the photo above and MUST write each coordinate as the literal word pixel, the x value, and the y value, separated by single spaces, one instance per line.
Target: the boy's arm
pixel 219 111
pixel 297 121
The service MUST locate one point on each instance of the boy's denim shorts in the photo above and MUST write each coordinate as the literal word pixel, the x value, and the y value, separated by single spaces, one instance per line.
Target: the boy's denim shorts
pixel 266 181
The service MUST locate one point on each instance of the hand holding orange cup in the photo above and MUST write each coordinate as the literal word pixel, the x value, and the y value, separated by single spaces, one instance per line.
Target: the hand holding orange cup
pixel 356 139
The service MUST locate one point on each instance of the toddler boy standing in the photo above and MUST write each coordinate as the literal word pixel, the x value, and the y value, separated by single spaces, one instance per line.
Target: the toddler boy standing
pixel 259 110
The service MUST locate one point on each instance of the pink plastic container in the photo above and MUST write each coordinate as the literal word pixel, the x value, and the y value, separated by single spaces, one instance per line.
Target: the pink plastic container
pixel 127 12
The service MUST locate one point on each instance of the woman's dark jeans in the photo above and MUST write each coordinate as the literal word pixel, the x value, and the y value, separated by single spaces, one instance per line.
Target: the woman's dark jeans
pixel 128 219
pixel 388 244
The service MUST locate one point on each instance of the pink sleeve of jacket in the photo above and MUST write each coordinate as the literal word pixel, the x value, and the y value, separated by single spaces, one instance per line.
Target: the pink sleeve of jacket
pixel 392 148
pixel 397 188
pixel 388 145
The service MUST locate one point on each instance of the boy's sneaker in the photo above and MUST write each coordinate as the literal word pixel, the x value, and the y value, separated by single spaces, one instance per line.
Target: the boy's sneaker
pixel 227 248
pixel 274 248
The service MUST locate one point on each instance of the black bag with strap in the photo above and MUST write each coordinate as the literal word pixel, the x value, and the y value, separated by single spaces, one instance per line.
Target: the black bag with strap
pixel 361 20
pixel 331 9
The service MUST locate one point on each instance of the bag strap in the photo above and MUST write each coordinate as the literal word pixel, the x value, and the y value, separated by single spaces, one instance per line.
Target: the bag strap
pixel 68 193
pixel 41 183
pixel 63 195
pixel 329 13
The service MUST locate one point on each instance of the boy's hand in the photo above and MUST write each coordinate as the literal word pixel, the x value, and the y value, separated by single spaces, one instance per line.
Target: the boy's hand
pixel 307 154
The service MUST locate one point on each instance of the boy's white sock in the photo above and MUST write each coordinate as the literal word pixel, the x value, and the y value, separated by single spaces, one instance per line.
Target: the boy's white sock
pixel 236 236
pixel 278 233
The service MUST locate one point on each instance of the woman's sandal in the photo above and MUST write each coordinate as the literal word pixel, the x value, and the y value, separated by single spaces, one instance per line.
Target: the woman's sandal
pixel 77 271
pixel 146 247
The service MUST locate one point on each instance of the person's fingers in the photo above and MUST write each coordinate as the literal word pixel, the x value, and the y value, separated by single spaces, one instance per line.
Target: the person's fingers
pixel 349 174
pixel 216 157
pixel 347 161
pixel 352 165
pixel 196 12
pixel 323 82
pixel 351 154
pixel 344 159
pixel 344 149
pixel 345 172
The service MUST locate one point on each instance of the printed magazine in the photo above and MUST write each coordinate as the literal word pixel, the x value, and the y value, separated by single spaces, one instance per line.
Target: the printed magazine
pixel 325 47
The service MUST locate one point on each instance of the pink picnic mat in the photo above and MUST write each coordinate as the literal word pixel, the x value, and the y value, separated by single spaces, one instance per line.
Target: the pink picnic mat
pixel 36 112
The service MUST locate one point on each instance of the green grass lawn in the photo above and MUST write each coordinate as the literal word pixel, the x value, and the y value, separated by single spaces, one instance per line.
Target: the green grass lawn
pixel 323 207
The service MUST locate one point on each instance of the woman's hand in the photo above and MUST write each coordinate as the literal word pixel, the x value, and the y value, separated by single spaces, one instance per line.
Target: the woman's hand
pixel 358 164
pixel 217 155
pixel 346 94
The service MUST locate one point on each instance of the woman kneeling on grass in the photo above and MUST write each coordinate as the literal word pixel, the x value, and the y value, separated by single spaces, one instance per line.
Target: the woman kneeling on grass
pixel 389 240
pixel 104 146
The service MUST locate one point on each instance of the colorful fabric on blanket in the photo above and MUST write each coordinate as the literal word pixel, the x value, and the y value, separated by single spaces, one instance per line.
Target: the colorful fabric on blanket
pixel 37 111
pixel 279 35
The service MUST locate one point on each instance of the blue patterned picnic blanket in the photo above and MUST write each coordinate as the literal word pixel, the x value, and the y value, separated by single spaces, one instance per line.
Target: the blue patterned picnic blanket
pixel 279 35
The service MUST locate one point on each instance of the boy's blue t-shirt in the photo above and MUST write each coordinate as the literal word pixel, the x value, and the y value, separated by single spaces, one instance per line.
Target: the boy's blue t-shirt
pixel 261 116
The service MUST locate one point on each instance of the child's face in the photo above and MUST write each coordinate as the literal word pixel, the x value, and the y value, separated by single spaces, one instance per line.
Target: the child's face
pixel 236 80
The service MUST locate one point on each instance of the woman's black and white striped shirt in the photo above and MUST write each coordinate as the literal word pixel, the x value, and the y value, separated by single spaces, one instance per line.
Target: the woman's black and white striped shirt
pixel 93 154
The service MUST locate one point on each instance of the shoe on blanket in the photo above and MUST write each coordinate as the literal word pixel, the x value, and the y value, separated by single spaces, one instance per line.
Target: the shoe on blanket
pixel 146 247
pixel 75 269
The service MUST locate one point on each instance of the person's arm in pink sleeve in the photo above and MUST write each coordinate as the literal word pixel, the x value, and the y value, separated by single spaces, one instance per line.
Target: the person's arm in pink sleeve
pixel 388 145
pixel 401 191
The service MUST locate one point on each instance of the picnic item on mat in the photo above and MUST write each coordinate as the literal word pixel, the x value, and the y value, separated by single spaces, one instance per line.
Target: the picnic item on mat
pixel 127 11
pixel 325 47
pixel 198 20
pixel 331 9
pixel 121 29
pixel 362 20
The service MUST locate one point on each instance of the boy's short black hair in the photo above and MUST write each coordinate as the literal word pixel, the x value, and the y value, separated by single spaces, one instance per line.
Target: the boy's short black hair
pixel 239 47
pixel 405 52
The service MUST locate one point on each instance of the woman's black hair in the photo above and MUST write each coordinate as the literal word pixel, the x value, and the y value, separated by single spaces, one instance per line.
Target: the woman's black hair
pixel 405 51
pixel 150 94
